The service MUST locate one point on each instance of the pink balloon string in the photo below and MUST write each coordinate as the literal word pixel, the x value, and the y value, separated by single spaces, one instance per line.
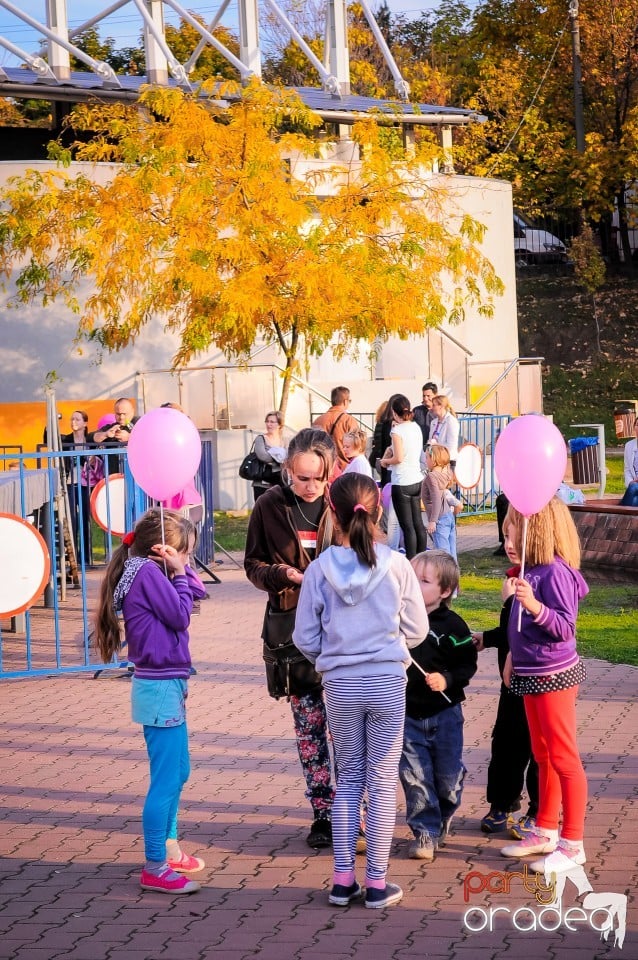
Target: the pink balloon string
pixel 521 573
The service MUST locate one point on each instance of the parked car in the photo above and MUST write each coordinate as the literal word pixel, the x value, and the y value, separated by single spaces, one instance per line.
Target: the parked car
pixel 533 244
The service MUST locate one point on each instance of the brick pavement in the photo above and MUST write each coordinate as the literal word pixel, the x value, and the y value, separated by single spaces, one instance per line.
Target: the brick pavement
pixel 73 772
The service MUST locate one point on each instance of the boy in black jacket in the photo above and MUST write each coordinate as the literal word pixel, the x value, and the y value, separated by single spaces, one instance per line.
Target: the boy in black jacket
pixel 431 767
pixel 511 763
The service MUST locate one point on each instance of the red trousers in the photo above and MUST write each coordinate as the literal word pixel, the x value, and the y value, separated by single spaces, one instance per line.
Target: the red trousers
pixel 561 778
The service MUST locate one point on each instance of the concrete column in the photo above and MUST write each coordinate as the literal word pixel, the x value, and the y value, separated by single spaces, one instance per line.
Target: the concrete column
pixel 336 43
pixel 156 63
pixel 59 59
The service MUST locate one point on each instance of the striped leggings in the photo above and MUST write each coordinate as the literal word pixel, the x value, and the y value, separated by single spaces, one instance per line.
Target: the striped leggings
pixel 365 716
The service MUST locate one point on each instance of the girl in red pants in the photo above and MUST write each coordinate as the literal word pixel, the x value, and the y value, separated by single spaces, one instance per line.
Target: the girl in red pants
pixel 544 667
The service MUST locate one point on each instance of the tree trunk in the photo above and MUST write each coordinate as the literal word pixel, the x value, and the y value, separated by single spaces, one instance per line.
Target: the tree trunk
pixel 290 352
pixel 623 232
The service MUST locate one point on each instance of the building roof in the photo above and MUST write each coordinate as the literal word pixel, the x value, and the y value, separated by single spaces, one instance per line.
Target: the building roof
pixel 25 83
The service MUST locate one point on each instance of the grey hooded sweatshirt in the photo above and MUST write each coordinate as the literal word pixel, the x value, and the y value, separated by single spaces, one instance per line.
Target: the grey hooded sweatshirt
pixel 359 621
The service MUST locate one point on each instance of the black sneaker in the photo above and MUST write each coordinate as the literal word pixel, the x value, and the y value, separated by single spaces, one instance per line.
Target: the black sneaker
pixel 378 899
pixel 496 821
pixel 342 896
pixel 320 835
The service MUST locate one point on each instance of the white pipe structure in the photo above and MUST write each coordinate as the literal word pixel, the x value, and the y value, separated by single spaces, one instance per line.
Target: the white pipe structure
pixel 103 70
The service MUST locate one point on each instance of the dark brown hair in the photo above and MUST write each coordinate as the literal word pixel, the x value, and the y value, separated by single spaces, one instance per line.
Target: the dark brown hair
pixel 339 396
pixel 354 500
pixel 401 406
pixel 178 531
pixel 311 440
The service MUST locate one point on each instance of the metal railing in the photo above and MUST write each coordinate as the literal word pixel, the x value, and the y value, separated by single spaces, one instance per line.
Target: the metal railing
pixel 54 635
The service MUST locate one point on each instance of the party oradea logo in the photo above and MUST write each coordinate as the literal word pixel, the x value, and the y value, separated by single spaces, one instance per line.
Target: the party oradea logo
pixel 565 900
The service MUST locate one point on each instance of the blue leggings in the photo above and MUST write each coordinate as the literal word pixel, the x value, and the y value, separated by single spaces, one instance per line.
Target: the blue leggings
pixel 365 716
pixel 167 749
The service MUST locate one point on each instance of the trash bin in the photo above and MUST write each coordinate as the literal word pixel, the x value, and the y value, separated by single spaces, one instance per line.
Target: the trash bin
pixel 585 469
pixel 625 418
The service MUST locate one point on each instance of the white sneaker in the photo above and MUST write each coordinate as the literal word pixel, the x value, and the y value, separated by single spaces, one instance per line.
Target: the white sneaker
pixel 422 848
pixel 536 842
pixel 564 857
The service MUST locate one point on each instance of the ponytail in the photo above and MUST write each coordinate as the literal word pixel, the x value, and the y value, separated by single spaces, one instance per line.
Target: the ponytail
pixel 354 499
pixel 155 526
pixel 108 634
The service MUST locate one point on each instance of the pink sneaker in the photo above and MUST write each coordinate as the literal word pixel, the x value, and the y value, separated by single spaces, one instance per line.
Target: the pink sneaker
pixel 565 856
pixel 536 842
pixel 186 864
pixel 168 882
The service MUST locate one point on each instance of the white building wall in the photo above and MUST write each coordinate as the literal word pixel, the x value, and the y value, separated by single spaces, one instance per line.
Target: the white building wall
pixel 38 340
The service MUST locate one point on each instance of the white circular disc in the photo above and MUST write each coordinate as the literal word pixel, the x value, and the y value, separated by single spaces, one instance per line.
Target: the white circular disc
pixel 25 565
pixel 469 466
pixel 116 493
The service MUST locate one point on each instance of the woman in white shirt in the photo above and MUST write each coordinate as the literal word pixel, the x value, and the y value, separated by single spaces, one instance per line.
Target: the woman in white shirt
pixel 445 428
pixel 404 459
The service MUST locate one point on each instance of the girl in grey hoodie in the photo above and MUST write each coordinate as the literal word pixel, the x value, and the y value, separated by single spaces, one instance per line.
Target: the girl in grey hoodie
pixel 359 611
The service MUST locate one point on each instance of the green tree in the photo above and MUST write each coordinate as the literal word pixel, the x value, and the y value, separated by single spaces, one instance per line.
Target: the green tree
pixel 212 222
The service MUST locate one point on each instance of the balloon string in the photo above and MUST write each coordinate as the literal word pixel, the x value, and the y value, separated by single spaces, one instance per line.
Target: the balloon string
pixel 164 535
pixel 521 573
pixel 426 675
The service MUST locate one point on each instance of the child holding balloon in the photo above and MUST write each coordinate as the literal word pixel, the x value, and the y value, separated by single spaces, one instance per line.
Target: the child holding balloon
pixel 149 582
pixel 544 668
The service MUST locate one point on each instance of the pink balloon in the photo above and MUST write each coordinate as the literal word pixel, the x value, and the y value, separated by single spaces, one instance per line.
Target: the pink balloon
pixel 106 421
pixel 530 459
pixel 164 451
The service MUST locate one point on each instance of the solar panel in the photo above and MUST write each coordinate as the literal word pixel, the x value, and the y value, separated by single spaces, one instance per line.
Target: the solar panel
pixel 23 82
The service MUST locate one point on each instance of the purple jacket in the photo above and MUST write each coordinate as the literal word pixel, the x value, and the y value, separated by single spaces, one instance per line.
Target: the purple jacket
pixel 547 644
pixel 157 613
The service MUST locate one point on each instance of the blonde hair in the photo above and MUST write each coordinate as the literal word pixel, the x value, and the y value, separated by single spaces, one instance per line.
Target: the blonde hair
pixel 358 439
pixel 446 568
pixel 439 454
pixel 444 402
pixel 551 533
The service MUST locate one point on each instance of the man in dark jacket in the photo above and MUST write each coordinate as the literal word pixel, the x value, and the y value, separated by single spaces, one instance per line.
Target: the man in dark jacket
pixel 422 414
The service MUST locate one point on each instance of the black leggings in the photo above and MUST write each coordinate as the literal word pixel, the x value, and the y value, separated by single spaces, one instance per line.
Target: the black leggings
pixel 407 506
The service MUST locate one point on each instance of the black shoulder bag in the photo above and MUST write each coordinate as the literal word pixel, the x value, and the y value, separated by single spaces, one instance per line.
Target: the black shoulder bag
pixel 254 469
pixel 288 672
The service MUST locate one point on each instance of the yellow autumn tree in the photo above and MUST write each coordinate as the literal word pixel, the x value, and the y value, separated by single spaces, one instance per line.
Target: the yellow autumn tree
pixel 220 220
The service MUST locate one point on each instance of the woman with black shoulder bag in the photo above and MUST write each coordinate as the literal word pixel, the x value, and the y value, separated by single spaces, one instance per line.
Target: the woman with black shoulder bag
pixel 288 527
pixel 270 450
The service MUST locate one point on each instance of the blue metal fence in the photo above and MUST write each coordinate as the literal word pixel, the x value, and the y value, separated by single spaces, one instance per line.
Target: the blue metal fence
pixel 54 636
pixel 482 430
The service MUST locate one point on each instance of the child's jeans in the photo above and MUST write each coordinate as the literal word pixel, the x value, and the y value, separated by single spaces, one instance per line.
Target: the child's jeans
pixel 432 770
pixel 444 536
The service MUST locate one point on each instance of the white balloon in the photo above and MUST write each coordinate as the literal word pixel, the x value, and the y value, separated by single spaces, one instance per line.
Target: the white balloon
pixel 469 466
pixel 111 493
pixel 24 565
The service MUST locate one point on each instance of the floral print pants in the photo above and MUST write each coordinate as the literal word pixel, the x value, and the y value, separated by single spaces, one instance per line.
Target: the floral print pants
pixel 311 732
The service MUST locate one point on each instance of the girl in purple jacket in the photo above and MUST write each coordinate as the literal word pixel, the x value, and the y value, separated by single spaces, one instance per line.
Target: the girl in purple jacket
pixel 544 668
pixel 150 585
